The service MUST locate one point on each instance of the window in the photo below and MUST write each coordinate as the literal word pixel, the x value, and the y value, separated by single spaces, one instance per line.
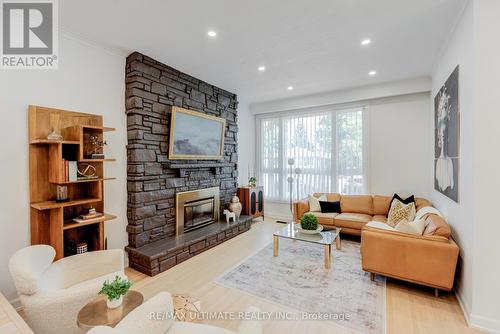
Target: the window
pixel 326 149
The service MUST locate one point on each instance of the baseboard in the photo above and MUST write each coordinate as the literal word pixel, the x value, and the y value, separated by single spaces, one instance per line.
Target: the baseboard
pixel 277 216
pixel 485 324
pixel 475 321
pixel 16 303
pixel 464 306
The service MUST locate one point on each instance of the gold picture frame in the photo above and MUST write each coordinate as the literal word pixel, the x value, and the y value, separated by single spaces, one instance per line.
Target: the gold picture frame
pixel 196 132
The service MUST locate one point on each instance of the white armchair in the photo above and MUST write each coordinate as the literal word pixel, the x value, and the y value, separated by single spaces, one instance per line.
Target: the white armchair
pixel 52 293
pixel 156 317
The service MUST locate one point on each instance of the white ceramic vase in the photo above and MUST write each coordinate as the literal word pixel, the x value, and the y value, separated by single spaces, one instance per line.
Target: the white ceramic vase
pixel 115 303
pixel 235 206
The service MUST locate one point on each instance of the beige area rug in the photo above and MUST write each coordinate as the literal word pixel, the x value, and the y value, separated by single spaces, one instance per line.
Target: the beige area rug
pixel 297 279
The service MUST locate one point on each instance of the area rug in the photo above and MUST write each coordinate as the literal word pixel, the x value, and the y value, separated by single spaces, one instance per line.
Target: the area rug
pixel 297 279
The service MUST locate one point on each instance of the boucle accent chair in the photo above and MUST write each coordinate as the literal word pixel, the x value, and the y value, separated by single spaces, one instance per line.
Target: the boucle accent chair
pixel 155 316
pixel 52 293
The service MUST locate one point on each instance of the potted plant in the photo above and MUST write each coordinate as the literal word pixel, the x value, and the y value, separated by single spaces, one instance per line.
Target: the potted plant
pixel 114 291
pixel 252 181
pixel 309 224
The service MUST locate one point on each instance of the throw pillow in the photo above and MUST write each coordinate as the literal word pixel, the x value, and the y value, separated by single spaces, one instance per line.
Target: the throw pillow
pixel 415 227
pixel 400 211
pixel 327 207
pixel 314 203
pixel 408 200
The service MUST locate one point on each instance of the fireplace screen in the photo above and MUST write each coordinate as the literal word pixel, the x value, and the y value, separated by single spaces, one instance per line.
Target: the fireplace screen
pixel 198 213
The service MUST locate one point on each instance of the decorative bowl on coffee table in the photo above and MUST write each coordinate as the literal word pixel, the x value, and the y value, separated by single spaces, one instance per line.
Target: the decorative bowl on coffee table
pixel 316 231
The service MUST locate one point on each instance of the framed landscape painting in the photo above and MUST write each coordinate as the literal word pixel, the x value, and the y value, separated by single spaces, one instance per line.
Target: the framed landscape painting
pixel 195 136
pixel 447 137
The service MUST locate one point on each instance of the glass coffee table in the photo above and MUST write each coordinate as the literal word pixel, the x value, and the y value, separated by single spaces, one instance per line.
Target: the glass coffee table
pixel 324 238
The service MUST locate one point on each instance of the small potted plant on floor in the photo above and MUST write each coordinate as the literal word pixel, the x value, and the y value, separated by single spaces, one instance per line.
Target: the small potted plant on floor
pixel 115 291
pixel 309 224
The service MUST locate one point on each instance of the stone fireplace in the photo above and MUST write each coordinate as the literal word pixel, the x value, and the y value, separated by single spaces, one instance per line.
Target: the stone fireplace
pixel 195 209
pixel 154 182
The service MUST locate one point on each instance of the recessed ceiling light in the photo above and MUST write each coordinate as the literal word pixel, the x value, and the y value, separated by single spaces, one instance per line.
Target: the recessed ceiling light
pixel 212 34
pixel 366 41
pixel 261 68
pixel 290 88
pixel 372 73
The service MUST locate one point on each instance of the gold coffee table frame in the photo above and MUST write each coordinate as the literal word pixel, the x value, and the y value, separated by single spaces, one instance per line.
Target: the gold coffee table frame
pixel 96 312
pixel 325 238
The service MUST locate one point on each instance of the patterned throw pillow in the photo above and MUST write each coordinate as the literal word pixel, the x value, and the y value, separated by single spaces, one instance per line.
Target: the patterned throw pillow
pixel 400 211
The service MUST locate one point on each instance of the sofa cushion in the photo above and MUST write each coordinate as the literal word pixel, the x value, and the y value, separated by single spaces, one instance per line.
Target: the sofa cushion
pixel 435 225
pixel 381 204
pixel 379 225
pixel 352 220
pixel 357 204
pixel 324 218
pixel 379 218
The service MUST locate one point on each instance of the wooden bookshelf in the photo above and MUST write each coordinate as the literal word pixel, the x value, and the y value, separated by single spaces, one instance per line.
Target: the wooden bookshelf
pixel 52 222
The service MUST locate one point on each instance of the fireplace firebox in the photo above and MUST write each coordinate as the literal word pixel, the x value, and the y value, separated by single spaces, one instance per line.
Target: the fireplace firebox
pixel 197 208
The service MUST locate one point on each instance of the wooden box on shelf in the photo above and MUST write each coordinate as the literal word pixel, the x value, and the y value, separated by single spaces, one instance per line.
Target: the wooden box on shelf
pixel 51 221
pixel 252 201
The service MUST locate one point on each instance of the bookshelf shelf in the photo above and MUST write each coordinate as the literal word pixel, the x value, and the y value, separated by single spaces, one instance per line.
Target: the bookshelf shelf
pixel 52 222
pixel 70 224
pixel 86 180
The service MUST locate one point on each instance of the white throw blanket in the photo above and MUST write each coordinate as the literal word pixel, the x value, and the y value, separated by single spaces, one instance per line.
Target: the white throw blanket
pixel 426 210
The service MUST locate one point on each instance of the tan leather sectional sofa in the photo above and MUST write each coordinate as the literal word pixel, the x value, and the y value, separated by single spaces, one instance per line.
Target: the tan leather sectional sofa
pixel 429 259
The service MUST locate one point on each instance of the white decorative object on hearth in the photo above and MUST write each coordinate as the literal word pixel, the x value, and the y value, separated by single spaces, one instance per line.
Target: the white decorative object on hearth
pixel 235 206
pixel 229 215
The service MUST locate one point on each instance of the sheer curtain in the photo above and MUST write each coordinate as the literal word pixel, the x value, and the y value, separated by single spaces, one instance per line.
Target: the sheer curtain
pixel 326 148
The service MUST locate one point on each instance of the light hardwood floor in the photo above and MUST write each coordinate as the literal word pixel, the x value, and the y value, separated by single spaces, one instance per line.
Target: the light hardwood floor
pixel 410 308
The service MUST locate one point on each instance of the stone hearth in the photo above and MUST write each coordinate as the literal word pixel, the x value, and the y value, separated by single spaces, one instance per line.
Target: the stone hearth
pixel 152 88
pixel 163 254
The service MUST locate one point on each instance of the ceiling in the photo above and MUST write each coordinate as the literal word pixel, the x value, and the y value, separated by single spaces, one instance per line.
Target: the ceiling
pixel 313 46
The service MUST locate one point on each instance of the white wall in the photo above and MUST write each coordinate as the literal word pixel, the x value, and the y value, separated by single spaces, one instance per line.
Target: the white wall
pixel 89 79
pixel 486 158
pixel 398 141
pixel 474 46
pixel 246 141
pixel 348 95
pixel 459 51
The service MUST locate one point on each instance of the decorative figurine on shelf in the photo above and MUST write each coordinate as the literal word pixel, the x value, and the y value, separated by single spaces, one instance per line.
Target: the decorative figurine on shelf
pixel 229 215
pixel 235 206
pixel 252 182
pixel 97 145
pixel 62 194
pixel 54 135
pixel 86 171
